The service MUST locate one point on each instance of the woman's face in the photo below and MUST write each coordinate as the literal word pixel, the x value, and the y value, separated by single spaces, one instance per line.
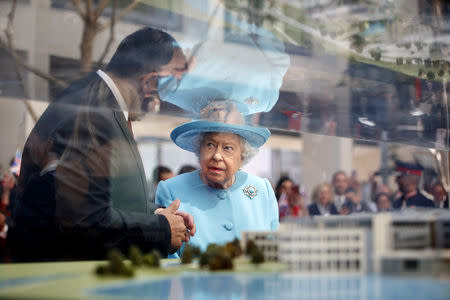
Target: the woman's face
pixel 220 158
pixel 286 187
pixel 324 195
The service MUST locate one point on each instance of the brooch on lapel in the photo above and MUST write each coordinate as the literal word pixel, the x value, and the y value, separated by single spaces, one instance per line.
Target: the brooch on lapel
pixel 250 191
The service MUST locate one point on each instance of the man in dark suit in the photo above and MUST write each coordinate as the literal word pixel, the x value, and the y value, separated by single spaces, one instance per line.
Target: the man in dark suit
pixel 408 182
pixel 440 196
pixel 322 204
pixel 82 188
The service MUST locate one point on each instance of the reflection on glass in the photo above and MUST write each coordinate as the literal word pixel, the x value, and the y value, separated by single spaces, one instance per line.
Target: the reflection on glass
pixel 288 286
pixel 342 85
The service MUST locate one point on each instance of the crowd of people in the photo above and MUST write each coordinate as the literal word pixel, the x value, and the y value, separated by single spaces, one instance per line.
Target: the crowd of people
pixel 345 195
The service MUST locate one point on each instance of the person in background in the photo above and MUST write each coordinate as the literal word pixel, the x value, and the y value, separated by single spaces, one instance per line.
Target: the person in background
pixel 440 196
pixel 322 201
pixel 408 182
pixel 340 184
pixel 383 202
pixel 284 185
pixel 290 202
pixel 162 173
pixel 186 169
pixel 354 203
pixel 282 190
pixel 159 173
pixel 353 181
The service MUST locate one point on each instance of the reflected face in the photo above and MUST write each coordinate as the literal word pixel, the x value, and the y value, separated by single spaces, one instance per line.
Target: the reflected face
pixel 383 203
pixel 220 158
pixel 149 99
pixel 324 195
pixel 340 183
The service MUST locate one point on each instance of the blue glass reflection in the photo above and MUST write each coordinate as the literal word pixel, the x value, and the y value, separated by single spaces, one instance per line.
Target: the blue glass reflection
pixel 279 286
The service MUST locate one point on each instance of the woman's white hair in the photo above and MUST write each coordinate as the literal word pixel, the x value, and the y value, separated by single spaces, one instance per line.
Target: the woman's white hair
pixel 248 152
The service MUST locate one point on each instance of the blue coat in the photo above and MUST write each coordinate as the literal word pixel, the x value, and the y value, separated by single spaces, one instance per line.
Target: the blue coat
pixel 221 215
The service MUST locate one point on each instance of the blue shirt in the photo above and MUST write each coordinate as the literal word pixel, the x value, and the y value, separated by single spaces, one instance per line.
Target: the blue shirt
pixel 221 215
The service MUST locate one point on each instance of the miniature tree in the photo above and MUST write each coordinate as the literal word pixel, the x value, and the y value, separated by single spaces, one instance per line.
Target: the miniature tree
pixel 189 253
pixel 210 252
pixel 196 252
pixel 203 261
pixel 152 259
pixel 220 261
pixel 115 266
pixel 257 256
pixel 212 247
pixel 250 247
pixel 187 256
pixel 116 261
pixel 216 258
pixel 135 255
pixel 102 270
pixel 233 248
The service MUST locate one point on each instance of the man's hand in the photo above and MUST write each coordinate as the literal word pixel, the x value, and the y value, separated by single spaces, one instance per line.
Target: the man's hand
pixel 181 224
pixel 188 222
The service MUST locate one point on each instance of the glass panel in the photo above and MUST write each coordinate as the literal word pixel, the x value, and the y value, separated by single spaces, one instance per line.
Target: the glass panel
pixel 353 94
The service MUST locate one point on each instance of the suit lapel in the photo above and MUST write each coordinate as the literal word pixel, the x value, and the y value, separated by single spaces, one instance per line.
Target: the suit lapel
pixel 120 118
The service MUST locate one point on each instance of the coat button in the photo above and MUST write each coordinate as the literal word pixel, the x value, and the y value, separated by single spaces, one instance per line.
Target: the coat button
pixel 222 195
pixel 228 226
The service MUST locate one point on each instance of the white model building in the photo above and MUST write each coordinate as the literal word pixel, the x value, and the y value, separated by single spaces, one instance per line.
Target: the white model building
pixel 411 241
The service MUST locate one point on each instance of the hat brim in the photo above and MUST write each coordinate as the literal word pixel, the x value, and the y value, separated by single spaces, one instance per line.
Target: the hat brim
pixel 184 136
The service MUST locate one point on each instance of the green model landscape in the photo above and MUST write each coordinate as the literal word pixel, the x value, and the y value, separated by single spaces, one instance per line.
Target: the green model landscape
pixel 215 258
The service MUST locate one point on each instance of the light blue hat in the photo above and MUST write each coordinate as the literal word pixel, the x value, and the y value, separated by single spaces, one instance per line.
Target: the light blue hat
pixel 184 136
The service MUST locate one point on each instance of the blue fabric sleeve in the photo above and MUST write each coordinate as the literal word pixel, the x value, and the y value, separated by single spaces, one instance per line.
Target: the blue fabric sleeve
pixel 273 206
pixel 163 196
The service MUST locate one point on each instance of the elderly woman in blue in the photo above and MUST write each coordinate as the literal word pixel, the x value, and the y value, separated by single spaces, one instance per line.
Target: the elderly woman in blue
pixel 223 200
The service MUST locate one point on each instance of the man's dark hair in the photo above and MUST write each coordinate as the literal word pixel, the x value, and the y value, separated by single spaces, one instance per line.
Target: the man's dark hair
pixel 143 51
pixel 158 171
